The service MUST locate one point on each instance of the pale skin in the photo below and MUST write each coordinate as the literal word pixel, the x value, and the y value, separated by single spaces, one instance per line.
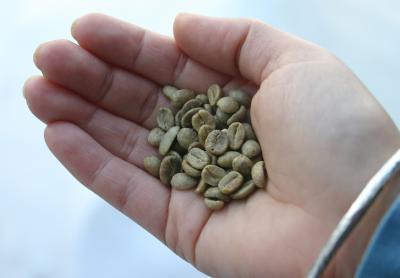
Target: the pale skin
pixel 321 132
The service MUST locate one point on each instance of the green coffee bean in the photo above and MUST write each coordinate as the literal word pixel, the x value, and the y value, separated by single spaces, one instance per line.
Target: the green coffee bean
pixel 198 158
pixel 165 118
pixel 247 188
pixel 228 105
pixel 213 193
pixel 238 116
pixel 230 182
pixel 213 204
pixel 236 135
pixel 203 133
pixel 241 97
pixel 216 142
pixel 182 181
pixel 186 136
pixel 187 117
pixel 251 148
pixel 212 174
pixel 242 164
pixel 214 93
pixel 170 165
pixel 190 170
pixel 202 117
pixel 168 139
pixel 201 187
pixel 249 131
pixel 225 160
pixel 259 174
pixel 155 136
pixel 152 165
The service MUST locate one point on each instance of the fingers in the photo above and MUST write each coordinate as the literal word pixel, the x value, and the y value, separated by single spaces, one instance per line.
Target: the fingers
pixel 122 138
pixel 123 93
pixel 125 186
pixel 237 46
pixel 151 55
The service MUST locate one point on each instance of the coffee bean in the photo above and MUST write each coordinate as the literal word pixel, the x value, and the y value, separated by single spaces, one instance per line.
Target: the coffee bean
pixel 181 97
pixel 214 93
pixel 216 142
pixel 190 170
pixel 241 96
pixel 226 159
pixel 203 98
pixel 247 188
pixel 195 145
pixel 186 136
pixel 212 174
pixel 213 193
pixel 238 116
pixel 201 187
pixel 187 117
pixel 228 105
pixel 170 165
pixel 169 91
pixel 251 148
pixel 230 182
pixel 155 136
pixel 175 153
pixel 193 103
pixel 203 133
pixel 249 132
pixel 259 174
pixel 182 181
pixel 213 204
pixel 236 135
pixel 165 118
pixel 242 164
pixel 167 140
pixel 198 158
pixel 152 165
pixel 202 117
pixel 221 118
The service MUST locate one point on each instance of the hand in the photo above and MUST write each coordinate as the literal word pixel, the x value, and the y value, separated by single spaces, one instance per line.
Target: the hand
pixel 322 134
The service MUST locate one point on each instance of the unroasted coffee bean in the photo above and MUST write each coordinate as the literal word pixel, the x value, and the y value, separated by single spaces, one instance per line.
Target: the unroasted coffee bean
pixel 155 136
pixel 214 204
pixel 202 117
pixel 247 188
pixel 214 93
pixel 198 158
pixel 251 148
pixel 228 105
pixel 170 165
pixel 152 165
pixel 236 135
pixel 259 174
pixel 195 145
pixel 190 170
pixel 249 131
pixel 216 142
pixel 201 187
pixel 186 136
pixel 240 96
pixel 193 103
pixel 221 118
pixel 212 174
pixel 169 91
pixel 187 117
pixel 182 181
pixel 178 148
pixel 242 164
pixel 203 98
pixel 203 133
pixel 226 159
pixel 175 153
pixel 178 97
pixel 238 116
pixel 213 193
pixel 165 118
pixel 230 182
pixel 167 140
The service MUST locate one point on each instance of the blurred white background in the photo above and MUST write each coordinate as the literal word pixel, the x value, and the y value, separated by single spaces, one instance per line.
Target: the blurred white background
pixel 51 226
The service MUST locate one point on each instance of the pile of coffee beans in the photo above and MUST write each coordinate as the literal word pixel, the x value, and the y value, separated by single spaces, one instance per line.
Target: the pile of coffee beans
pixel 207 145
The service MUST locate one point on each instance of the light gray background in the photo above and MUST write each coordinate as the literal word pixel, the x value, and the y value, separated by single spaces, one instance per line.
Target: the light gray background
pixel 51 226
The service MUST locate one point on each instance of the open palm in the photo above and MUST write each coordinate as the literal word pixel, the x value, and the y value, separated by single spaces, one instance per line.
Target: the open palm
pixel 321 133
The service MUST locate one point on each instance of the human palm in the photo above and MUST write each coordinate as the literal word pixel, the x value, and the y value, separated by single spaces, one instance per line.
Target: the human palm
pixel 321 133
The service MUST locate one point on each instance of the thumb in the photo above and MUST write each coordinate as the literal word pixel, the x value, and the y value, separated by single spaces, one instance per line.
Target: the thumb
pixel 243 47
